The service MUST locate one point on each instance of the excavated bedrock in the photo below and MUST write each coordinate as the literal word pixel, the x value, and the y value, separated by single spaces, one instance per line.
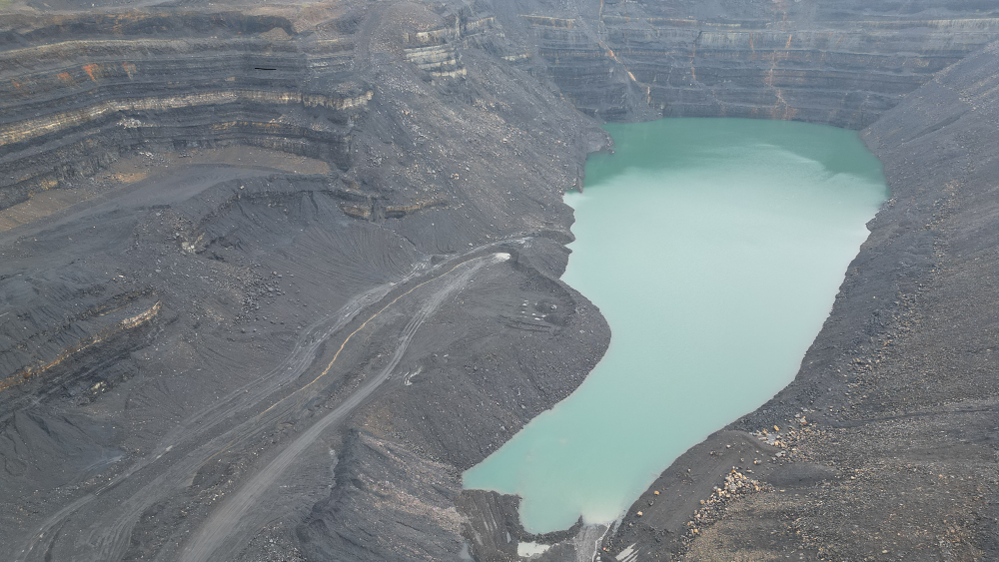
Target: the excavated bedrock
pixel 842 64
pixel 78 93
pixel 272 276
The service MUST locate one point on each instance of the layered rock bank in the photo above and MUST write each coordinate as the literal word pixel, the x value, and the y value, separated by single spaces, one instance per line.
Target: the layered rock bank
pixel 274 274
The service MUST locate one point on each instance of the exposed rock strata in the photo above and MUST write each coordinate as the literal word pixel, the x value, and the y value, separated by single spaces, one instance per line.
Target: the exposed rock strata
pixel 71 107
pixel 843 66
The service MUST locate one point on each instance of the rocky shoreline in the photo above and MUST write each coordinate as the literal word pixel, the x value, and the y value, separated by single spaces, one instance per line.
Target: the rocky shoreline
pixel 204 262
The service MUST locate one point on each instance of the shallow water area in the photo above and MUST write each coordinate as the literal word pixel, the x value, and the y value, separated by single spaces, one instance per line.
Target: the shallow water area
pixel 715 249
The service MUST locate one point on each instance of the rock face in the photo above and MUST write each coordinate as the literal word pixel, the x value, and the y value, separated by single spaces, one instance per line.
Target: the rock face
pixel 839 63
pixel 80 91
pixel 272 276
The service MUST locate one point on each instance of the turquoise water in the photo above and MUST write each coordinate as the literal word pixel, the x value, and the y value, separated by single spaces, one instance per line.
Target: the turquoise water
pixel 714 248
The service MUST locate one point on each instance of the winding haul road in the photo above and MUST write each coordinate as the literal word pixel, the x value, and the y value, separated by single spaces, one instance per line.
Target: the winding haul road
pixel 223 523
pixel 239 419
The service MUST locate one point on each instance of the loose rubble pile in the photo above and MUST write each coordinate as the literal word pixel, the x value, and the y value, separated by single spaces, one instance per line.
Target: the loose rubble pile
pixel 736 484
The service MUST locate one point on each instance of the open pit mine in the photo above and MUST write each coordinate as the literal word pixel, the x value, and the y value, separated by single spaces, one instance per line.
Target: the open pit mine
pixel 264 267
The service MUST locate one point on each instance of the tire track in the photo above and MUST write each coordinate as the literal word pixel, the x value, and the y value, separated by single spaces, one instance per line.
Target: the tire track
pixel 224 524
pixel 178 457
pixel 198 425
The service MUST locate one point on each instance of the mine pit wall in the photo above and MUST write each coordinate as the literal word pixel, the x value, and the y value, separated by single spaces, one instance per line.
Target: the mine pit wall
pixel 188 80
pixel 69 108
pixel 621 61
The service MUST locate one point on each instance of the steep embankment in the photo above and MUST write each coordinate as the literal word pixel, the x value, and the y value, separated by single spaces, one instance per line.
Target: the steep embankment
pixel 841 64
pixel 77 92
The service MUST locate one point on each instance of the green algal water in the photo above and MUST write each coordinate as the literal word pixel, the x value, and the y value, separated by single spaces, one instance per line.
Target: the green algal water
pixel 714 248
